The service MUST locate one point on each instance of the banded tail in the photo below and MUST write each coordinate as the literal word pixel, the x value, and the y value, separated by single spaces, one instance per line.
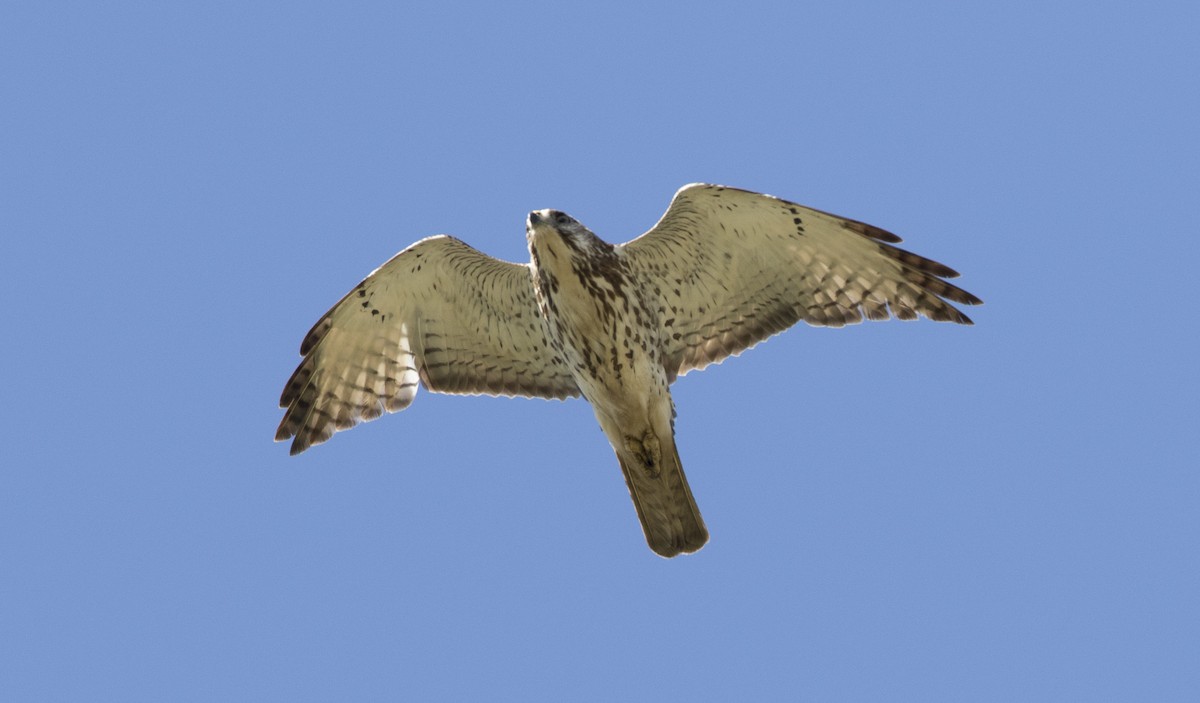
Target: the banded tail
pixel 662 497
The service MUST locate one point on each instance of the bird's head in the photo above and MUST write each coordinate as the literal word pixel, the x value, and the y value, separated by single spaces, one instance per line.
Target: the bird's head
pixel 558 234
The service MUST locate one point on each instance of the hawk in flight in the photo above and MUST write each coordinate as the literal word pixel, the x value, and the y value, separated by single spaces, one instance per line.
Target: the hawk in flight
pixel 722 270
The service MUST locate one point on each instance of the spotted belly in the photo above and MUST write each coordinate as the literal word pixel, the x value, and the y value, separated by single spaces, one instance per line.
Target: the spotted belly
pixel 611 344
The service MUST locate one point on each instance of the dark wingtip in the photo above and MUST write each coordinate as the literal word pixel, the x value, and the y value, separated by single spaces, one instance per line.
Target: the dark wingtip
pixel 870 231
pixel 316 333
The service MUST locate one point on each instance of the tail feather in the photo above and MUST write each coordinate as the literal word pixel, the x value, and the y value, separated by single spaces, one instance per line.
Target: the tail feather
pixel 664 503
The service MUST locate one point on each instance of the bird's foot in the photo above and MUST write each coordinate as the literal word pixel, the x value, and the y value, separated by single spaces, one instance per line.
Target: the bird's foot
pixel 648 451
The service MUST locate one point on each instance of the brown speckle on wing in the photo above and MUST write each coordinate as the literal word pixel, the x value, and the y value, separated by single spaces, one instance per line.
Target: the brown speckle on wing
pixel 731 268
pixel 438 313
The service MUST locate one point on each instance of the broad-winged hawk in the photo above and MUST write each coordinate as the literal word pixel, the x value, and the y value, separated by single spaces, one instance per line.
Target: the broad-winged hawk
pixel 721 271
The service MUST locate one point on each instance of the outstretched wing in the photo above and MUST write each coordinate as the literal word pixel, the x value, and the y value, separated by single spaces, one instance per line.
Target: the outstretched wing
pixel 439 313
pixel 729 268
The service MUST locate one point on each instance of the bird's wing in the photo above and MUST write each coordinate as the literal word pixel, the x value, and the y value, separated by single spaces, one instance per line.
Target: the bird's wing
pixel 439 312
pixel 728 268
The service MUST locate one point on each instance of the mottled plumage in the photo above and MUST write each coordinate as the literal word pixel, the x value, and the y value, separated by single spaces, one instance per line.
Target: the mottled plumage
pixel 721 271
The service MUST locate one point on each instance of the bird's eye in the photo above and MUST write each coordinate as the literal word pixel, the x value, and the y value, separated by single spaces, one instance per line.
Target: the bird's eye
pixel 561 219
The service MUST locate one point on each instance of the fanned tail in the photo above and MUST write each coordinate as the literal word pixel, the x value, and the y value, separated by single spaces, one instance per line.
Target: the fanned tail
pixel 663 499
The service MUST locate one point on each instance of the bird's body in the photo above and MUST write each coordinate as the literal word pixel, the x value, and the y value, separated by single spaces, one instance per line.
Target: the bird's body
pixel 721 271
pixel 609 333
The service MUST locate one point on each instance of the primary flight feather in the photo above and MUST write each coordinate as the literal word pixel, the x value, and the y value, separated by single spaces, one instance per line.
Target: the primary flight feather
pixel 721 271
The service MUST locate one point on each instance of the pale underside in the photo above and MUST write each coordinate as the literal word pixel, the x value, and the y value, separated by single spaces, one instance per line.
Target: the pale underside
pixel 726 269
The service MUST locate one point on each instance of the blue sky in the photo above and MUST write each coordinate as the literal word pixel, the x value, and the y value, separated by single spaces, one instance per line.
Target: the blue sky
pixel 900 511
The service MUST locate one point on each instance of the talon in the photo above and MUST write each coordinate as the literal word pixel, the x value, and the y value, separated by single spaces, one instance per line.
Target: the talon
pixel 647 451
pixel 653 449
